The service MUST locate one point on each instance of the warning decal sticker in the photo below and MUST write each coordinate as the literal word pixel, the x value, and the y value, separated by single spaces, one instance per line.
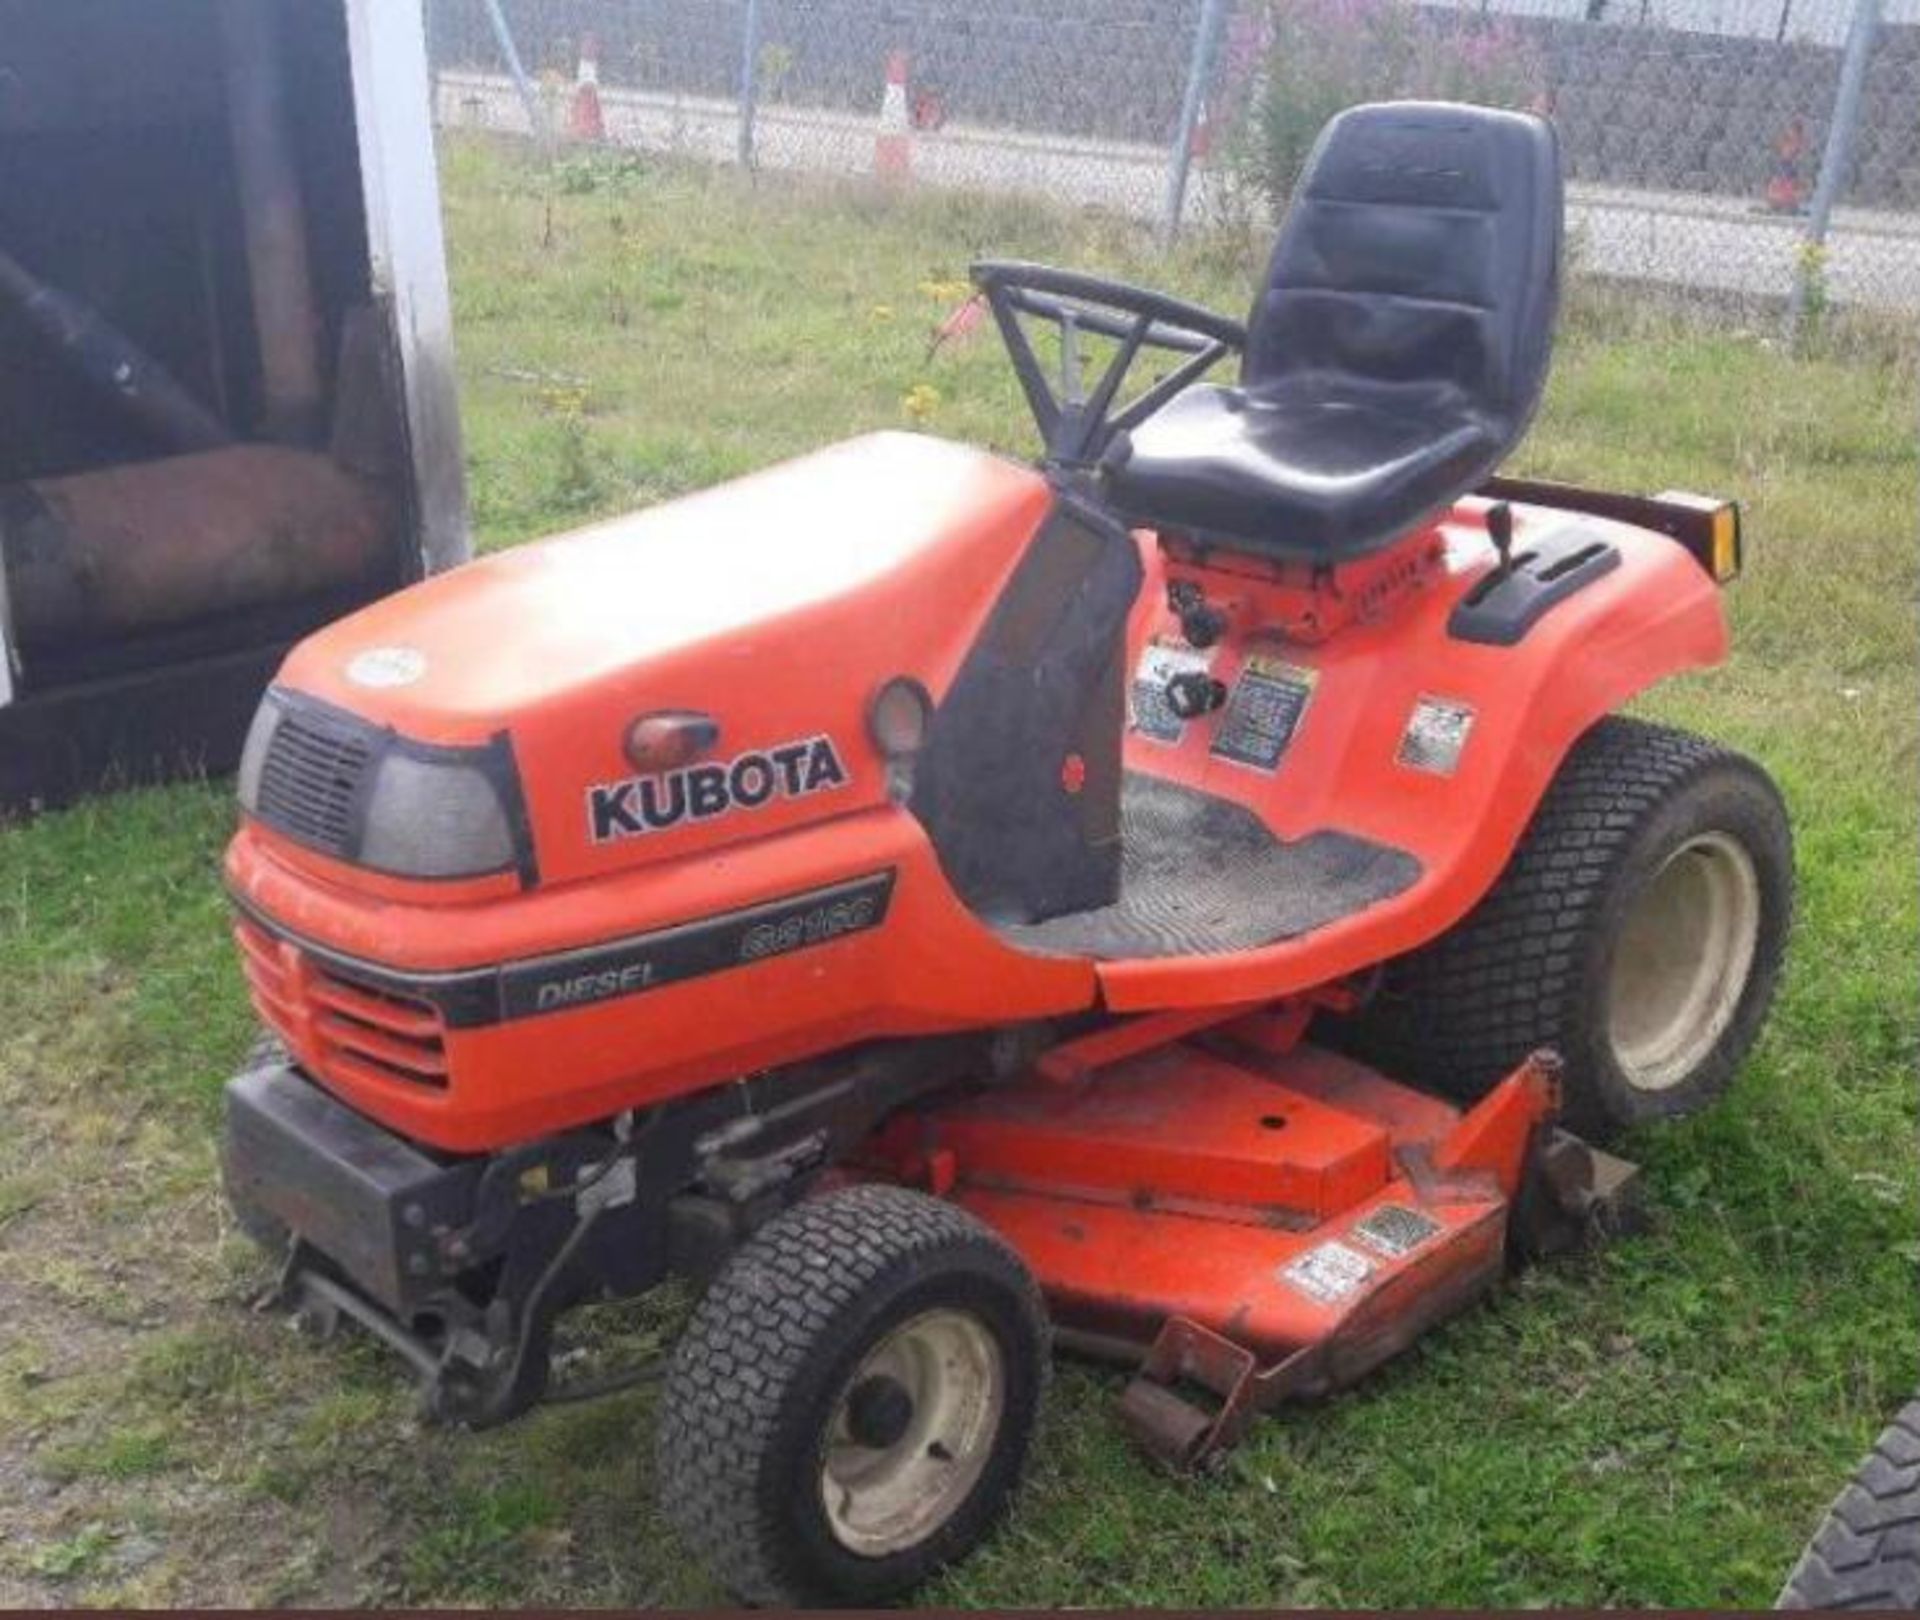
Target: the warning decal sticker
pixel 1393 1230
pixel 1436 735
pixel 1152 715
pixel 1269 701
pixel 1328 1272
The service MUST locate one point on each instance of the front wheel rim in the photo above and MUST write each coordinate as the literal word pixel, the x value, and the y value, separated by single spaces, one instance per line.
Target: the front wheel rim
pixel 1683 961
pixel 885 1493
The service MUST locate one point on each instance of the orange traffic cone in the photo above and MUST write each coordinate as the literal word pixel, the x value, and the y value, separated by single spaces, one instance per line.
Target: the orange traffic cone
pixel 1200 142
pixel 1786 189
pixel 893 140
pixel 585 121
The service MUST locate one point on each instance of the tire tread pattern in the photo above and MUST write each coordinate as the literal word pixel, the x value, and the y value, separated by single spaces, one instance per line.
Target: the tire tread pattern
pixel 1866 1553
pixel 1463 1010
pixel 747 1342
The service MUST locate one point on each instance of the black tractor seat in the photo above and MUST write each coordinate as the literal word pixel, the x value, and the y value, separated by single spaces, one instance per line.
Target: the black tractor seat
pixel 1394 358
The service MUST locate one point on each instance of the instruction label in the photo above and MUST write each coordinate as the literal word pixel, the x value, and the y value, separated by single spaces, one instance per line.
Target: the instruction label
pixel 1393 1230
pixel 1327 1273
pixel 1436 736
pixel 1153 716
pixel 1264 713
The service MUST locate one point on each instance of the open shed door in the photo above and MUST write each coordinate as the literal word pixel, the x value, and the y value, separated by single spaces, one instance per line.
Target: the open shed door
pixel 227 411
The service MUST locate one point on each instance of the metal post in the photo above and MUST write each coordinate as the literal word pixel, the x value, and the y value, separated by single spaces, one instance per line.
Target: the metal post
pixel 1206 43
pixel 1841 131
pixel 749 80
pixel 529 93
pixel 430 30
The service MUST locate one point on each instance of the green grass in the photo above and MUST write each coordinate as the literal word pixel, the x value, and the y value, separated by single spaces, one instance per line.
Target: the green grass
pixel 1657 1423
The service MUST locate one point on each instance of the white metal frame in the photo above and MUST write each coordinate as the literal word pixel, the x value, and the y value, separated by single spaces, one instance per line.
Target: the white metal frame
pixel 400 183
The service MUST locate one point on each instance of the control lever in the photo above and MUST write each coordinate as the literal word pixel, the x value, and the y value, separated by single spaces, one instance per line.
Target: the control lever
pixel 1201 622
pixel 1500 532
pixel 1192 693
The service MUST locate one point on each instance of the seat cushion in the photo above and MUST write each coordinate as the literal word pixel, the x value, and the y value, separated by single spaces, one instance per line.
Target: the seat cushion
pixel 1296 471
pixel 1394 355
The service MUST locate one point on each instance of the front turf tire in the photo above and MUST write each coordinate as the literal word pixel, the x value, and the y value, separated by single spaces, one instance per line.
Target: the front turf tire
pixel 1601 914
pixel 872 1309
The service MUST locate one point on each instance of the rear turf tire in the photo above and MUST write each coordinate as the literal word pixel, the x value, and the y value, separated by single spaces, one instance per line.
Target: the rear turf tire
pixel 875 1310
pixel 1866 1553
pixel 1650 843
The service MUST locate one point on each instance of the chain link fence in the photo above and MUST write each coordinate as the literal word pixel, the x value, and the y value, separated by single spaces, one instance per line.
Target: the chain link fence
pixel 1749 152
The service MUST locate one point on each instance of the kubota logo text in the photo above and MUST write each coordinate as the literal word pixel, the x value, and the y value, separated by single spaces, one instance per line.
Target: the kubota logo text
pixel 644 804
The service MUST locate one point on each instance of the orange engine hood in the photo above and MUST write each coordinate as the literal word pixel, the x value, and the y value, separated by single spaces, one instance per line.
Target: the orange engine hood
pixel 776 604
pixel 832 536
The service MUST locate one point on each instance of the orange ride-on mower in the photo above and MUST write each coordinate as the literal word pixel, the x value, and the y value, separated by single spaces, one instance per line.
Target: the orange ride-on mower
pixel 1191 901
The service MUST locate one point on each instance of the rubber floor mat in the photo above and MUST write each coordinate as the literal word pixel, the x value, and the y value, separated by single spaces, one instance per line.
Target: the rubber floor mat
pixel 1201 876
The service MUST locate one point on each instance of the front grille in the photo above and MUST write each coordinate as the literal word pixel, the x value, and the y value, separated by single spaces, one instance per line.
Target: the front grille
pixel 337 1026
pixel 275 997
pixel 310 780
pixel 369 1032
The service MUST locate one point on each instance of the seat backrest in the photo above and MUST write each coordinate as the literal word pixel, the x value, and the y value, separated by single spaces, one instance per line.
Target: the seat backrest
pixel 1420 257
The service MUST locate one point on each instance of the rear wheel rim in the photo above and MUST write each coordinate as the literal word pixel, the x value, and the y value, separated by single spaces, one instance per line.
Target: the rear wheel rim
pixel 884 1498
pixel 1683 960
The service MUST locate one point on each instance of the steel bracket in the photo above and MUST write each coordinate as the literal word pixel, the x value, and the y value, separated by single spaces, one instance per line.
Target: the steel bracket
pixel 1187 1359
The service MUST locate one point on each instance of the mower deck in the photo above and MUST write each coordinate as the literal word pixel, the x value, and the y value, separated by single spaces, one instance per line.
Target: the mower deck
pixel 1212 1210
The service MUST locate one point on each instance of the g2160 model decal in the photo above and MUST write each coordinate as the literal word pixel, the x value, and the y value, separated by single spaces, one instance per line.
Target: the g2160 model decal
pixel 693 793
pixel 713 945
pixel 472 998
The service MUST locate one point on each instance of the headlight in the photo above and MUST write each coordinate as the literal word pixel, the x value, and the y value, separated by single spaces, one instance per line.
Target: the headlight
pixel 364 794
pixel 435 818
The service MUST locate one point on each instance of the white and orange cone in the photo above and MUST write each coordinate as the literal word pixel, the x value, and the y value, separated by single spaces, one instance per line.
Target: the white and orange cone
pixel 1200 142
pixel 893 140
pixel 585 120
